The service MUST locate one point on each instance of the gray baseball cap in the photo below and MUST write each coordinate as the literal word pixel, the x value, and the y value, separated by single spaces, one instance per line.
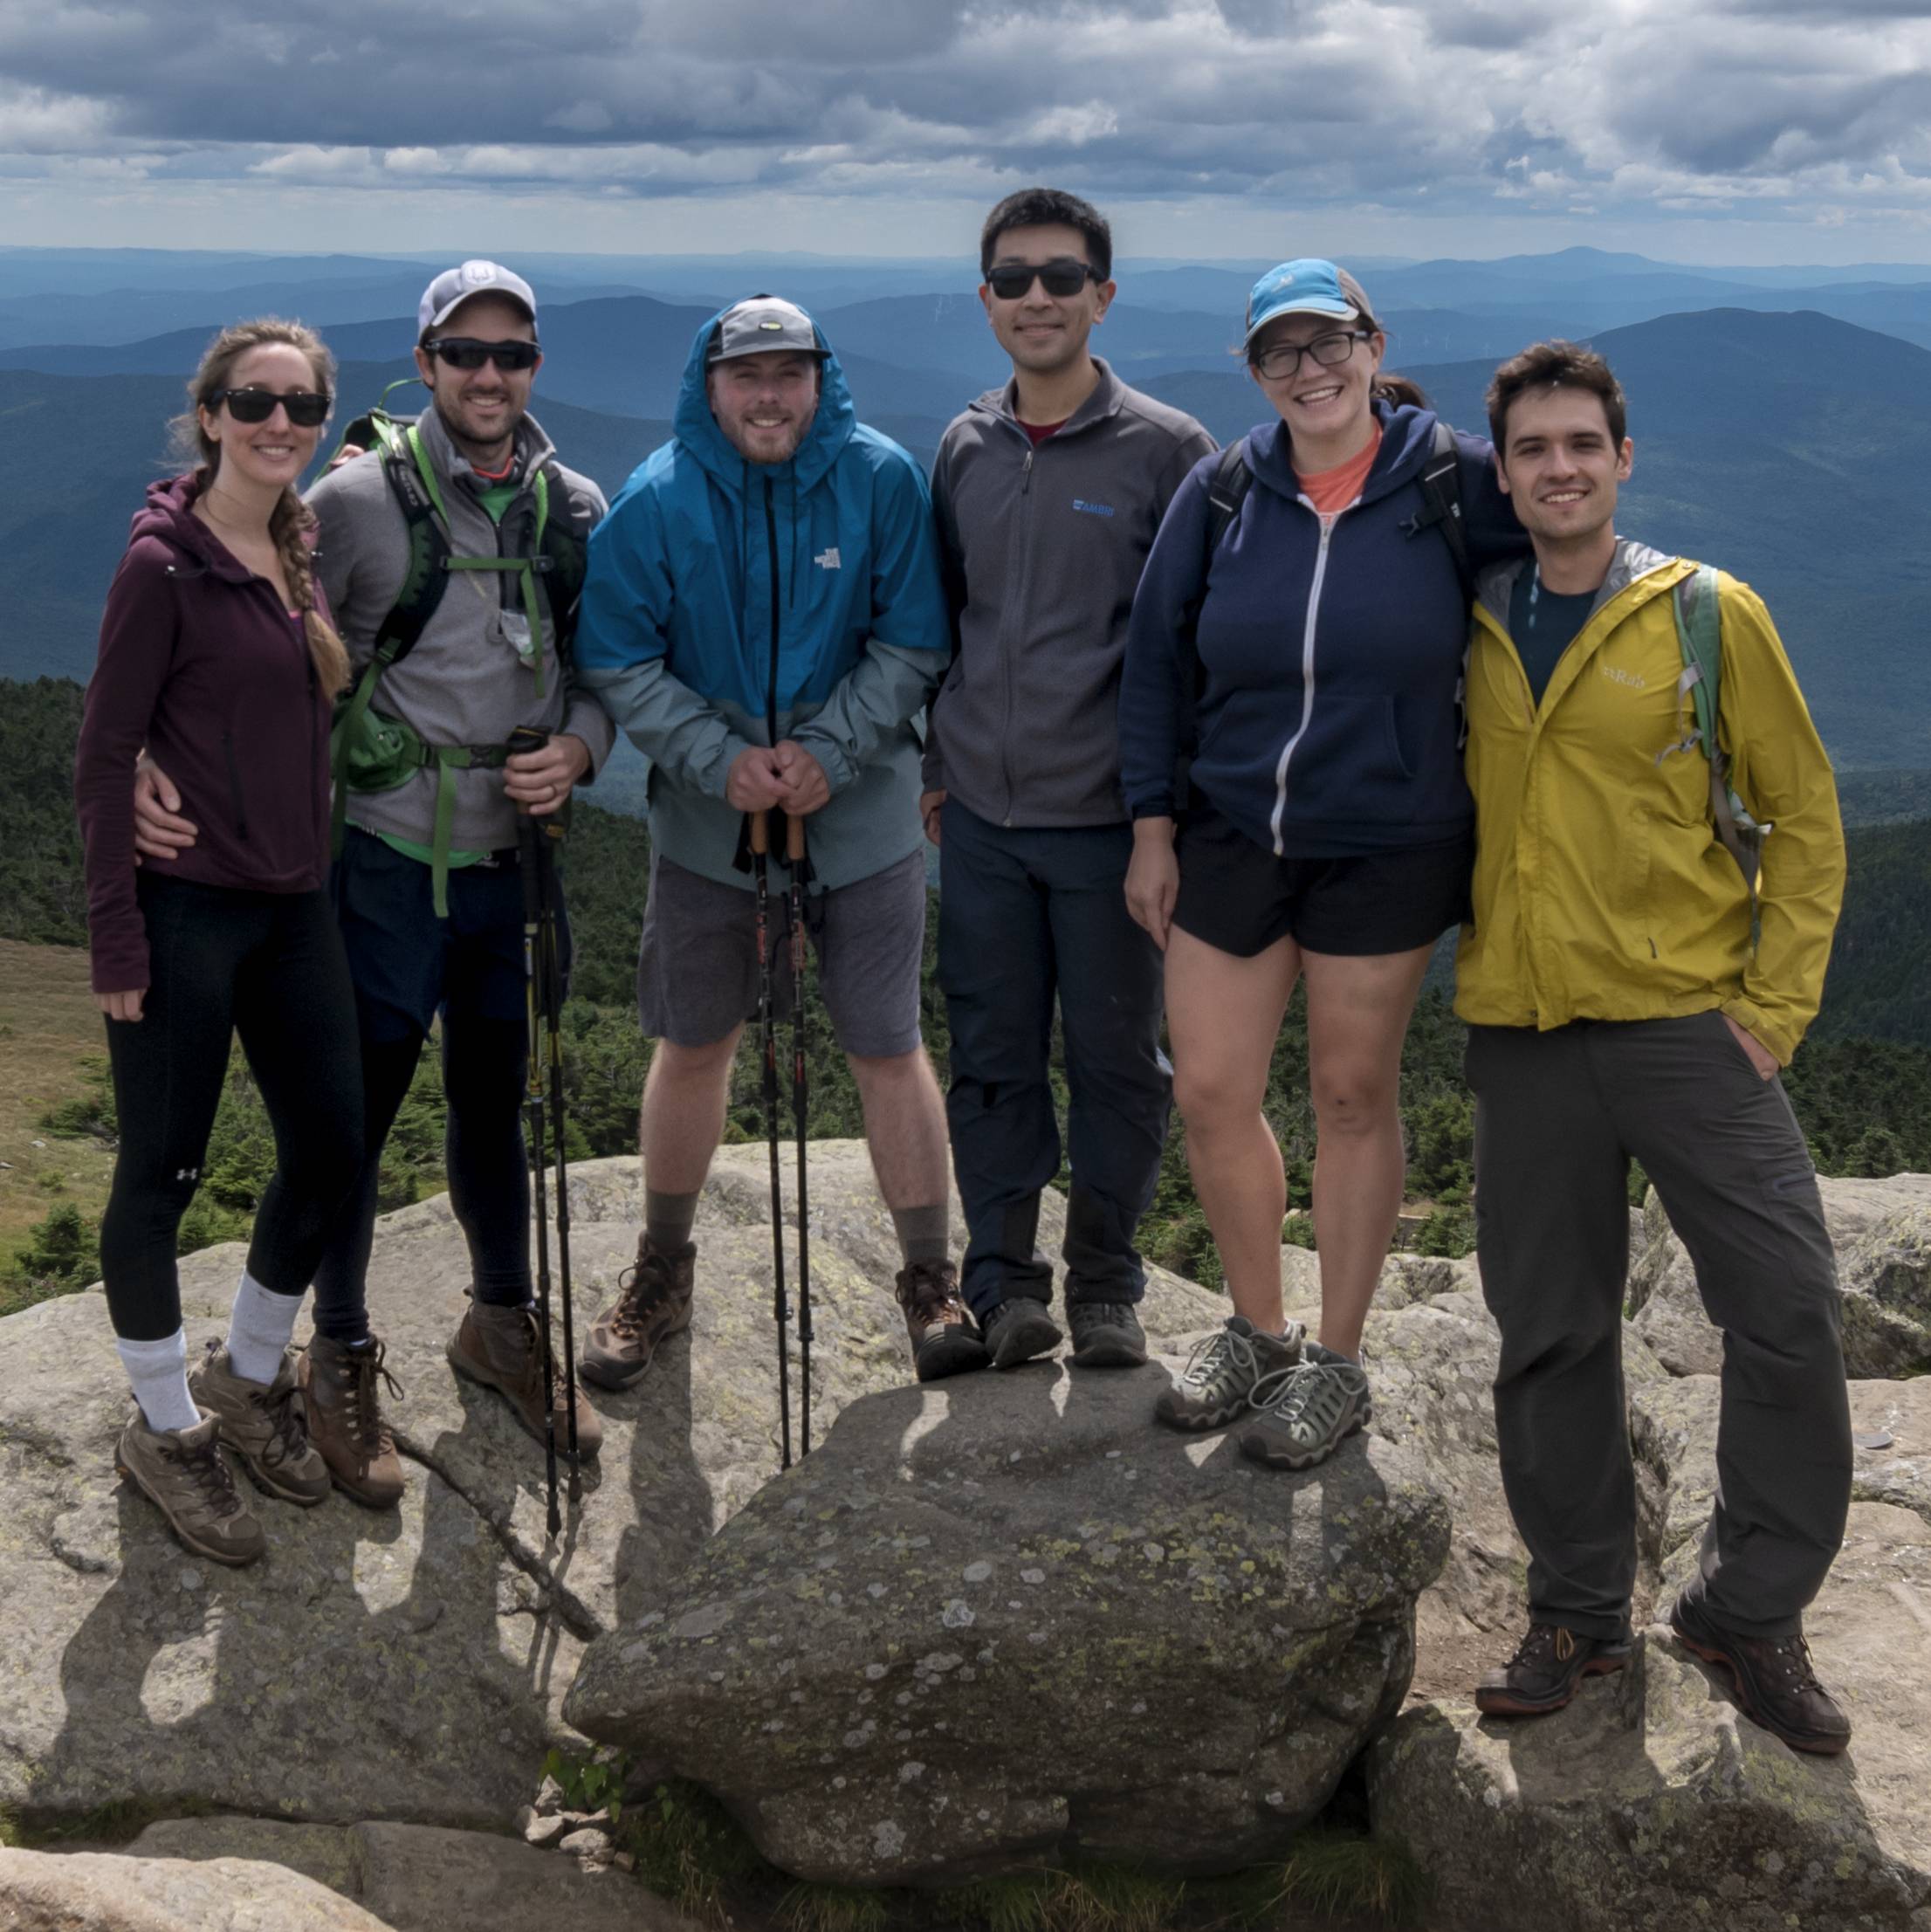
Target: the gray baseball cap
pixel 761 325
pixel 454 286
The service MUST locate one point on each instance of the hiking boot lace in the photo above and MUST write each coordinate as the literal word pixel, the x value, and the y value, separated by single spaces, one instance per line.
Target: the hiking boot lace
pixel 1307 1401
pixel 206 1468
pixel 1218 1361
pixel 930 1294
pixel 1542 1645
pixel 641 1291
pixel 280 1407
pixel 1790 1657
pixel 361 1399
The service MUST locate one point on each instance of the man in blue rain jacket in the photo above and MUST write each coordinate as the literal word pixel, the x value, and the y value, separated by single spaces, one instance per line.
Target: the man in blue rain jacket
pixel 764 616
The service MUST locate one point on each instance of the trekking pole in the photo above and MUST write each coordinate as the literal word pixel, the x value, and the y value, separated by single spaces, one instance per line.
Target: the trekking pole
pixel 528 839
pixel 760 869
pixel 794 854
pixel 550 962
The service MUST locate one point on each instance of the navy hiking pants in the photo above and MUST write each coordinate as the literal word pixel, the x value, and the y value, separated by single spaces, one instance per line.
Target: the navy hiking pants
pixel 1026 916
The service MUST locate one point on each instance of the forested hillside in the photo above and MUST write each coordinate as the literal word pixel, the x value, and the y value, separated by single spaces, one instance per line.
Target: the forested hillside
pixel 1861 1086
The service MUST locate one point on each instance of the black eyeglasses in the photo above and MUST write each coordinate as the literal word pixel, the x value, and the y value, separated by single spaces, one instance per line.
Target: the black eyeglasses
pixel 1064 275
pixel 307 409
pixel 464 352
pixel 1284 358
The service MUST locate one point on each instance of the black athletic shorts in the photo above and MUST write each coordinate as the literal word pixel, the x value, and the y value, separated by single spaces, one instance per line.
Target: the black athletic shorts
pixel 1238 897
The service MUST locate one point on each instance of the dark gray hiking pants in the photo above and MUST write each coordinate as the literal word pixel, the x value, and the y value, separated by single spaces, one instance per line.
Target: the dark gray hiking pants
pixel 1558 1117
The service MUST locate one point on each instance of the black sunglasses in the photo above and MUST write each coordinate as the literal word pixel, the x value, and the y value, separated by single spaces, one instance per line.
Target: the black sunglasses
pixel 307 409
pixel 1010 280
pixel 464 352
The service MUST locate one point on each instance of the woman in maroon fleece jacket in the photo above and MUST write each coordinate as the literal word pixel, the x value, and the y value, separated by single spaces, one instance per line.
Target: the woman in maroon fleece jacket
pixel 217 654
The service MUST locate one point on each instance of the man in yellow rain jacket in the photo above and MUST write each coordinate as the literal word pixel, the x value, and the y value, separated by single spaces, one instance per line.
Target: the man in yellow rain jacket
pixel 1626 999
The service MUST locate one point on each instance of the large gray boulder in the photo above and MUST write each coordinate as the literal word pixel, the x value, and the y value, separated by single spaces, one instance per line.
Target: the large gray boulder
pixel 100 1892
pixel 1651 1801
pixel 994 1620
pixel 1882 1230
pixel 410 1665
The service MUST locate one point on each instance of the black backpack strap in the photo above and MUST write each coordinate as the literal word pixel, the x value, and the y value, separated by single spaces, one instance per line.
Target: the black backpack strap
pixel 1226 493
pixel 562 564
pixel 1440 481
pixel 427 574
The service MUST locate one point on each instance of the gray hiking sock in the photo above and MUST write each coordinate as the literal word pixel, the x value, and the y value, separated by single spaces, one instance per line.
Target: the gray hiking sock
pixel 923 1233
pixel 261 1327
pixel 668 1218
pixel 159 1373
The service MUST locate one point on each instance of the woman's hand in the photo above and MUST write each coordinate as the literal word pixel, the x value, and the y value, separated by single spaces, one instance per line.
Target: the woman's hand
pixel 1153 878
pixel 121 1006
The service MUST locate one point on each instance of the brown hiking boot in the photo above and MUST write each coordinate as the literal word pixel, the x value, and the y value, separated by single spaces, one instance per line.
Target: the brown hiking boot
pixel 945 1338
pixel 261 1423
pixel 1775 1683
pixel 653 1303
pixel 344 1418
pixel 1547 1671
pixel 184 1475
pixel 502 1348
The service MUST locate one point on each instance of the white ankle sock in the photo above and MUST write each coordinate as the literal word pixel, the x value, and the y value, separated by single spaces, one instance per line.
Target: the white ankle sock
pixel 159 1373
pixel 260 1329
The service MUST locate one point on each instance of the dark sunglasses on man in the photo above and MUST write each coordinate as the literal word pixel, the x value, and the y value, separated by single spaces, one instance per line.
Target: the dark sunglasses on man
pixel 464 352
pixel 1062 276
pixel 307 409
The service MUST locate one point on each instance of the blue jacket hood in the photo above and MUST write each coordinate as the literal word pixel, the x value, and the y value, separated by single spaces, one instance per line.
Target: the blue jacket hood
pixel 697 428
pixel 1406 442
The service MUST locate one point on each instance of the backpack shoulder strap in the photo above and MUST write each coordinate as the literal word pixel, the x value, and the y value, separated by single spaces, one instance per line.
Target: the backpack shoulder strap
pixel 1440 481
pixel 1695 605
pixel 564 554
pixel 425 577
pixel 1233 477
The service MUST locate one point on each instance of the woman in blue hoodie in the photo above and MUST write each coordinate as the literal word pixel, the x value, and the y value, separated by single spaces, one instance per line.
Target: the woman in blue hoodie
pixel 1329 837
pixel 218 655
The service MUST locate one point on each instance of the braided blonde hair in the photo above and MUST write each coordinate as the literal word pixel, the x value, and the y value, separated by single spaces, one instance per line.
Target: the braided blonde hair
pixel 292 521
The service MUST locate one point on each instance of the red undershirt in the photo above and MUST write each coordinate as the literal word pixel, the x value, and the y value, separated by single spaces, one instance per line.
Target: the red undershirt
pixel 1040 431
pixel 1331 490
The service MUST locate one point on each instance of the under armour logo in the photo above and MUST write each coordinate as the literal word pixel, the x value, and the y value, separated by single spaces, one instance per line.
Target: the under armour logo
pixel 827 559
pixel 188 1173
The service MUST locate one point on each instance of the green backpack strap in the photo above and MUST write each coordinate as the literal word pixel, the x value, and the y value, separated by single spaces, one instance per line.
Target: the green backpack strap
pixel 525 568
pixel 1700 638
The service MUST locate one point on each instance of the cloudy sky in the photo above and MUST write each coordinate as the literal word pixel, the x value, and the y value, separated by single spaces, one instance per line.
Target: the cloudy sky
pixel 1710 130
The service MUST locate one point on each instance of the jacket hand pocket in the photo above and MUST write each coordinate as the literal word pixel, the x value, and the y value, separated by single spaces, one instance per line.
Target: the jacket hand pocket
pixel 1348 764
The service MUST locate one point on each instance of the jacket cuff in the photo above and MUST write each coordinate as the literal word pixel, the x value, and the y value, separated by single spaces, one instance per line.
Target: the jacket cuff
pixel 1765 1031
pixel 1160 805
pixel 717 775
pixel 838 769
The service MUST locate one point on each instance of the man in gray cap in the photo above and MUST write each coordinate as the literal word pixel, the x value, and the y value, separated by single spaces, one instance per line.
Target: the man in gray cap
pixel 764 616
pixel 452 558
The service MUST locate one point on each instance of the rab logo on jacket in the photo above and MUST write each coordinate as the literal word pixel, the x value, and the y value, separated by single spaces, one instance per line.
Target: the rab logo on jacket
pixel 827 559
pixel 1093 509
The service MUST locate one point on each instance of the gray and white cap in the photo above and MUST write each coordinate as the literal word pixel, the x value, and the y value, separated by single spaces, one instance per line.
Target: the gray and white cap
pixel 454 286
pixel 762 324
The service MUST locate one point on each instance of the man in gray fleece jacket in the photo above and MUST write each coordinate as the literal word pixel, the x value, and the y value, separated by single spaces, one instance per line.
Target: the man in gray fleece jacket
pixel 433 924
pixel 1049 492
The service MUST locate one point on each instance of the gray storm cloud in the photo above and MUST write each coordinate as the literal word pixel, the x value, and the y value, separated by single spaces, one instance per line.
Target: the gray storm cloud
pixel 1321 101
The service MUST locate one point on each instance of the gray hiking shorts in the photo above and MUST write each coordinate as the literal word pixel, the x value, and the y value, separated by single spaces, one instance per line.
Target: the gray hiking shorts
pixel 698 962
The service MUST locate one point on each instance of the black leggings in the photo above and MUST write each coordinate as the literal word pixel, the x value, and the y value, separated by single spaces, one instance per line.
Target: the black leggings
pixel 270 967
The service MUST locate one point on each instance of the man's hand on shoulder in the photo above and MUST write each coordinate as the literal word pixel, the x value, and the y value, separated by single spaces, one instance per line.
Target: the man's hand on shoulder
pixel 540 783
pixel 160 831
pixel 805 787
pixel 756 783
pixel 347 453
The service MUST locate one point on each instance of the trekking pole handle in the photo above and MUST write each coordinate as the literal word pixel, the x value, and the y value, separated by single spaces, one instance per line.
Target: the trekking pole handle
pixel 760 833
pixel 795 839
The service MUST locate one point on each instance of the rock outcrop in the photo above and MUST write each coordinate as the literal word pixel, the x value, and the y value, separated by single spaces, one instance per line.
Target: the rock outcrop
pixel 1651 1801
pixel 993 1620
pixel 98 1892
pixel 411 1665
pixel 1882 1230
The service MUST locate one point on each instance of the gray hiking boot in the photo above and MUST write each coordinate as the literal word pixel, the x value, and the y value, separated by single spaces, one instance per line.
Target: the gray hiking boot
pixel 1019 1329
pixel 944 1338
pixel 263 1423
pixel 184 1475
pixel 1106 1335
pixel 1302 1415
pixel 1221 1373
pixel 653 1303
pixel 502 1348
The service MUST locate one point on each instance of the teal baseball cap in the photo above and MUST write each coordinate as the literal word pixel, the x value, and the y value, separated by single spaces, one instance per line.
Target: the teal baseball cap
pixel 1308 287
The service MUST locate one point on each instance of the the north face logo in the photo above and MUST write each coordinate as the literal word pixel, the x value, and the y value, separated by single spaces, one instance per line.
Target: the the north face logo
pixel 827 559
